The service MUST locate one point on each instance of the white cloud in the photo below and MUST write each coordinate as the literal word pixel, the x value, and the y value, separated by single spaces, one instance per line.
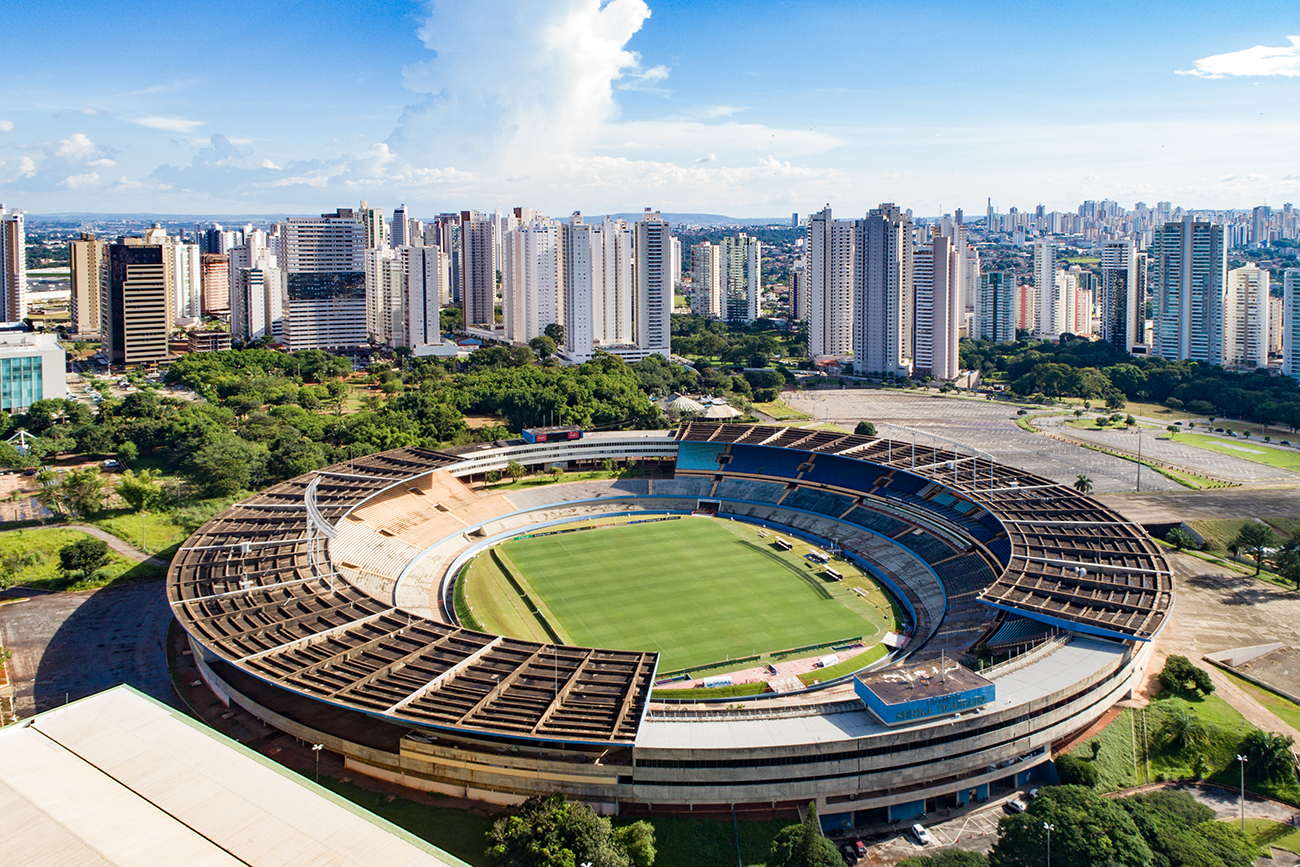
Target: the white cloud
pixel 73 182
pixel 1259 60
pixel 75 147
pixel 711 158
pixel 102 163
pixel 267 164
pixel 643 80
pixel 26 166
pixel 6 126
pixel 171 124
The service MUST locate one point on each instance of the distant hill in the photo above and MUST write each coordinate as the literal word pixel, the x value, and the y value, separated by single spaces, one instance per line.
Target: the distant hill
pixel 710 219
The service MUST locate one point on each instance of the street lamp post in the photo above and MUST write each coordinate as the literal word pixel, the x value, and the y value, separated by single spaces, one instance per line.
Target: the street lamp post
pixel 316 748
pixel 1049 828
pixel 1242 761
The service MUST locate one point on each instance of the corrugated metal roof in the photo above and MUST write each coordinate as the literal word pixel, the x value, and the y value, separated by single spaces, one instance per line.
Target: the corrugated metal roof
pixel 120 779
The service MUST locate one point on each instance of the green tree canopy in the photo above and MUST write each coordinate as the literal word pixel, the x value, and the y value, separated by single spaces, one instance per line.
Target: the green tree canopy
pixel 553 832
pixel 1089 830
pixel 141 491
pixel 84 557
pixel 803 845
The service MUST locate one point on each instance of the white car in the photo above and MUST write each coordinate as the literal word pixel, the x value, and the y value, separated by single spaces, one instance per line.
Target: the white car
pixel 920 835
pixel 111 464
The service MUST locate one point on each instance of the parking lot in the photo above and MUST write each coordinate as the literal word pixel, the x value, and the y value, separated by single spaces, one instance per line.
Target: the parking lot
pixel 974 831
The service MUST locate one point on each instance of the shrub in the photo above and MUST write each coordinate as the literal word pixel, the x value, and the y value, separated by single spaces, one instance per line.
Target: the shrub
pixel 1073 771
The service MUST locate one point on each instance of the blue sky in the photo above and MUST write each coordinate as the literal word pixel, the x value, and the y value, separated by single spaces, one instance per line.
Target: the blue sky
pixel 749 109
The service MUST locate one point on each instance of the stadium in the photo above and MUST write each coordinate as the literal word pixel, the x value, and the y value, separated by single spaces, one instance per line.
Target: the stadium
pixel 343 608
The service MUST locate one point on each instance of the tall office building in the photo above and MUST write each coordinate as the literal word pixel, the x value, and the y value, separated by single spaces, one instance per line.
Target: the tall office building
pixel 1122 290
pixel 1051 315
pixel 13 264
pixel 86 259
pixel 425 291
pixel 742 258
pixel 706 280
pixel 532 291
pixel 830 262
pixel 376 229
pixel 400 229
pixel 652 251
pixel 881 274
pixel 1189 275
pixel 478 286
pixel 135 303
pixel 322 264
pixel 1291 322
pixel 995 307
pixel 936 280
pixel 1246 317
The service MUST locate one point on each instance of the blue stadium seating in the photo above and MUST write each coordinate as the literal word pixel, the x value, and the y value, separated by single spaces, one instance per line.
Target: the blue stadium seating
pixel 698 457
pixel 875 521
pixel 844 473
pixel 765 461
pixel 743 489
pixel 929 548
pixel 822 502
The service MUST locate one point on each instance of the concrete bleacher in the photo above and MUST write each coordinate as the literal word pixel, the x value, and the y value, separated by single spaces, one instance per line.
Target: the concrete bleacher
pixel 370 560
pixel 747 489
pixel 874 520
pixel 698 457
pixel 682 487
pixel 824 502
pixel 764 461
pixel 545 495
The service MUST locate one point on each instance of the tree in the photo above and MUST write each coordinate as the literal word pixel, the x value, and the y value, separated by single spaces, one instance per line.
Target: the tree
pixel 947 858
pixel 515 471
pixel 1268 755
pixel 493 476
pixel 141 491
pixel 608 465
pixel 1088 830
pixel 803 845
pixel 1074 771
pixel 865 428
pixel 127 453
pixel 1253 538
pixel 1172 429
pixel 1115 400
pixel 549 831
pixel 1180 675
pixel 544 346
pixel 1182 727
pixel 227 465
pixel 85 557
pixel 556 472
pixel 1130 421
pixel 1082 483
pixel 555 331
pixel 1180 538
pixel 1288 560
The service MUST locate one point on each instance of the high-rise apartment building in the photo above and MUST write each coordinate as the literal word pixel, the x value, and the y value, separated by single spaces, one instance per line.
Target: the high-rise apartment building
pixel 255 302
pixel 322 263
pixel 599 287
pixel 187 279
pixel 135 303
pixel 880 254
pixel 936 280
pixel 1246 317
pixel 385 287
pixel 706 280
pixel 376 229
pixel 1122 290
pixel 830 265
pixel 400 230
pixel 1189 274
pixel 1051 315
pixel 478 284
pixel 214 277
pixel 1291 322
pixel 677 265
pixel 742 258
pixel 86 260
pixel 13 264
pixel 1261 226
pixel 532 291
pixel 652 249
pixel 799 290
pixel 995 307
pixel 1275 307
pixel 426 290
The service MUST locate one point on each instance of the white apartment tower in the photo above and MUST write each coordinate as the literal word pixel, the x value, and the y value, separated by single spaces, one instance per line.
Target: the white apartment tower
pixel 598 286
pixel 1246 315
pixel 829 264
pixel 799 290
pixel 1051 316
pixel 532 293
pixel 706 280
pixel 1189 275
pixel 1122 290
pixel 742 258
pixel 13 264
pixel 881 272
pixel 373 220
pixel 323 281
pixel 654 284
pixel 936 275
pixel 426 289
pixel 187 281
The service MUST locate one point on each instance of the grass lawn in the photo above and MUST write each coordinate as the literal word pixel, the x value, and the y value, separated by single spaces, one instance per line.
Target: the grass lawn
pixel 1266 832
pixel 42 547
pixel 1247 449
pixel 1218 532
pixel 698 591
pixel 164 530
pixel 1287 711
pixel 778 410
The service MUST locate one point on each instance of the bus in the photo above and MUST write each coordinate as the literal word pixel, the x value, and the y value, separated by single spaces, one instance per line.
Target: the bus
pixel 832 574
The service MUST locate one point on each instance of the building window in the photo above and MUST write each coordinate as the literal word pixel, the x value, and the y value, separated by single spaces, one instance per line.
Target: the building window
pixel 20 382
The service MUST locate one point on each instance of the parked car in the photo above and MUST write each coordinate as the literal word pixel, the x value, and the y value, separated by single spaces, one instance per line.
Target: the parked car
pixel 1015 805
pixel 920 835
pixel 111 464
pixel 861 847
pixel 849 852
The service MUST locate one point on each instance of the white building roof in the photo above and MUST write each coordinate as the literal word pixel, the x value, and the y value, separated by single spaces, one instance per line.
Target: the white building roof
pixel 120 779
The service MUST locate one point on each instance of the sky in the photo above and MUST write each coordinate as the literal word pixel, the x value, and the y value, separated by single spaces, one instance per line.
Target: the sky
pixel 751 109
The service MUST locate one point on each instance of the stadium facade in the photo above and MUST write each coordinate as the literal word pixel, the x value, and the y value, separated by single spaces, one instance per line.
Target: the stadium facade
pixel 324 605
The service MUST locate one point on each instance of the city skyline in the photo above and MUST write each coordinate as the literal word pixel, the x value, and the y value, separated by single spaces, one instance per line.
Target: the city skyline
pixel 609 107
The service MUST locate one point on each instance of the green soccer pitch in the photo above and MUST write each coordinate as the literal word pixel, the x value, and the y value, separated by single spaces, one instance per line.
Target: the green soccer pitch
pixel 697 590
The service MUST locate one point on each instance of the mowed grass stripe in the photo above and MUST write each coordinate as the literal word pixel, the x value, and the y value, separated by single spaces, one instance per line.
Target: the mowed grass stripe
pixel 690 589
